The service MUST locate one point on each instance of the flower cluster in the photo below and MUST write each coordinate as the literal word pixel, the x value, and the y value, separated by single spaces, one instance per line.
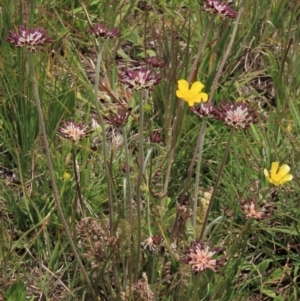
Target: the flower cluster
pixel 218 7
pixel 30 38
pixel 191 95
pixel 200 257
pixel 119 118
pixel 278 175
pixel 74 131
pixel 139 78
pixel 250 210
pixel 155 63
pixel 101 31
pixel 203 110
pixel 237 115
pixel 155 137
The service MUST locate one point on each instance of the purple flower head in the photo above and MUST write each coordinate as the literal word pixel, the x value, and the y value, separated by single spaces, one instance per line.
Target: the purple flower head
pixel 139 78
pixel 220 8
pixel 250 210
pixel 203 109
pixel 200 257
pixel 238 116
pixel 101 31
pixel 119 118
pixel 155 137
pixel 74 131
pixel 30 38
pixel 155 63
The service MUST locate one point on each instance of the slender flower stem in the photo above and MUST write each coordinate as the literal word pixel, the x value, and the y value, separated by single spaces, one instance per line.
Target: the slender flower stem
pixel 139 182
pixel 102 124
pixel 192 76
pixel 77 180
pixel 220 171
pixel 52 176
pixel 128 190
pixel 199 146
pixel 201 137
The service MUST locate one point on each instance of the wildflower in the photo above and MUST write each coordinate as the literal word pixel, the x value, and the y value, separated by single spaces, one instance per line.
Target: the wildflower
pixel 74 130
pixel 200 256
pixel 237 116
pixel 139 78
pixel 218 7
pixel 101 31
pixel 250 210
pixel 126 168
pixel 193 95
pixel 278 175
pixel 66 176
pixel 155 137
pixel 151 242
pixel 155 63
pixel 120 118
pixel 30 38
pixel 203 110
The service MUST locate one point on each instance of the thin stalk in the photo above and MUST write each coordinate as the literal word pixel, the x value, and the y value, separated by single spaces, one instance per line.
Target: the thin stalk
pixel 128 188
pixel 196 287
pixel 102 124
pixel 220 171
pixel 199 146
pixel 139 182
pixel 78 190
pixel 201 136
pixel 192 76
pixel 52 176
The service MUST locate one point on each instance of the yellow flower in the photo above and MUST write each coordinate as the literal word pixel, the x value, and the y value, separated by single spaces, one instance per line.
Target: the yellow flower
pixel 278 175
pixel 66 176
pixel 192 95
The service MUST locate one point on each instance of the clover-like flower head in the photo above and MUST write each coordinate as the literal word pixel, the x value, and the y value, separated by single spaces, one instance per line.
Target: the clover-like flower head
pixel 250 210
pixel 204 109
pixel 139 78
pixel 200 257
pixel 29 38
pixel 74 131
pixel 101 31
pixel 119 118
pixel 238 115
pixel 191 95
pixel 220 8
pixel 278 175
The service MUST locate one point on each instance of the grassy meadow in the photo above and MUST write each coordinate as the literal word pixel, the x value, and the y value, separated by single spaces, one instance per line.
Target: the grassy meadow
pixel 149 150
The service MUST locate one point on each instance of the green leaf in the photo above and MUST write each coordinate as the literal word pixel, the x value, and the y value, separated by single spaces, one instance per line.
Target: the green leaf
pixel 17 292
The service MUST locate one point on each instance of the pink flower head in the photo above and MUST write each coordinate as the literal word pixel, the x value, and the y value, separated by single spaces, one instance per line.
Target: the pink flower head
pixel 218 7
pixel 74 131
pixel 30 38
pixel 250 210
pixel 139 78
pixel 238 115
pixel 200 257
pixel 101 31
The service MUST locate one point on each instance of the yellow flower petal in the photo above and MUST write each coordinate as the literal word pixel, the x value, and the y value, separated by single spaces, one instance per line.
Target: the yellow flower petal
pixel 283 170
pixel 203 97
pixel 278 175
pixel 274 169
pixel 183 85
pixel 197 87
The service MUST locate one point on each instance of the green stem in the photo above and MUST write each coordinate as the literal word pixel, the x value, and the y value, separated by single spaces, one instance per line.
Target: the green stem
pixel 192 76
pixel 52 176
pixel 78 190
pixel 139 182
pixel 102 124
pixel 220 171
pixel 128 188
